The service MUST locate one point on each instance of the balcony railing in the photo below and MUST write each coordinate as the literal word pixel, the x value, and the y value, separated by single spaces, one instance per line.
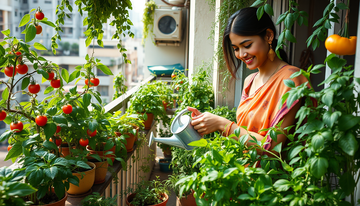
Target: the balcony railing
pixel 134 172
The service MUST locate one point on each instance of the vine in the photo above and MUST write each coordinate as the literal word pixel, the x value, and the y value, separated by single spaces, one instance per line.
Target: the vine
pixel 148 19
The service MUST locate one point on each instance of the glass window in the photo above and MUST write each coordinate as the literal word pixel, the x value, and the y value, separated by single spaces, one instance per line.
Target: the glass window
pixel 2 125
pixel 35 1
pixel 47 2
pixel 16 11
pixel 103 90
pixel 24 1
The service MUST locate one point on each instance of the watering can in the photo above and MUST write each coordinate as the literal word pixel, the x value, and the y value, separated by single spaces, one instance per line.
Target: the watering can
pixel 183 133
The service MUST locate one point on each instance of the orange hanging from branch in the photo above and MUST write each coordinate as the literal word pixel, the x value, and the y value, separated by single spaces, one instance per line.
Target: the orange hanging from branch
pixel 339 45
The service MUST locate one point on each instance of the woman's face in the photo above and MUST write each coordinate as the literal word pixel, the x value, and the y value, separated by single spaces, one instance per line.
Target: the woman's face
pixel 252 50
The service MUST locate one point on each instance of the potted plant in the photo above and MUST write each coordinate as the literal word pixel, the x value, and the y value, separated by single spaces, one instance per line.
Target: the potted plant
pixel 187 198
pixel 166 93
pixel 148 19
pixel 96 199
pixel 153 192
pixel 164 132
pixel 119 85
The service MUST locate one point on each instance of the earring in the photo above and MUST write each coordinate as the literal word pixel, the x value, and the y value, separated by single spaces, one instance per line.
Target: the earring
pixel 271 54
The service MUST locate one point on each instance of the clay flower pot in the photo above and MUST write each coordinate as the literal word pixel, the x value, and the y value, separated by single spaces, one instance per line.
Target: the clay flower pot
pixel 85 182
pixel 189 200
pixel 148 122
pixel 130 140
pixel 130 197
pixel 100 171
pixel 58 203
pixel 64 150
pixel 102 153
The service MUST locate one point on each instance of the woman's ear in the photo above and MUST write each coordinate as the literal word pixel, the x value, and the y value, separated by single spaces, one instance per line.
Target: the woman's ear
pixel 269 35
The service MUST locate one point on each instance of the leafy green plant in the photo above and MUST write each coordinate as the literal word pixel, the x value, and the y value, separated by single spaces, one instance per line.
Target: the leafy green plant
pixel 148 19
pixel 147 192
pixel 96 199
pixel 119 85
pixel 12 189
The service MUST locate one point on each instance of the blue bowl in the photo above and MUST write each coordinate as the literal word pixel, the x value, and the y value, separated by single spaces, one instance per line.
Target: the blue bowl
pixel 165 165
pixel 167 70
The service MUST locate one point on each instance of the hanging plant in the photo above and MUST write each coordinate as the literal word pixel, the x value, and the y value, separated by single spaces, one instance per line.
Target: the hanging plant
pixel 148 19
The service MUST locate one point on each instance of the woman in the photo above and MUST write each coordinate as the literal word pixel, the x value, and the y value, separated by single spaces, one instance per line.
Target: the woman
pixel 252 41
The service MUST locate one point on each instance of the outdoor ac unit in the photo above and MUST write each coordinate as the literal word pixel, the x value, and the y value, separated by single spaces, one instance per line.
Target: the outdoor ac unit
pixel 168 26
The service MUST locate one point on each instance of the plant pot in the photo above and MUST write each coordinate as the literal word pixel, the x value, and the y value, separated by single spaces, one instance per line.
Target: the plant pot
pixel 165 105
pixel 148 122
pixel 64 150
pixel 102 153
pixel 167 153
pixel 85 183
pixel 58 203
pixel 130 197
pixel 165 165
pixel 189 200
pixel 100 171
pixel 130 141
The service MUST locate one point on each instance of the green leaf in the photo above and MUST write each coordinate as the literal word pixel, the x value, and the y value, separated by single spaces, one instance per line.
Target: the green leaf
pixel 104 69
pixel 269 9
pixel 74 75
pixel 82 165
pixel 39 46
pixel 59 188
pixel 347 183
pixel 86 99
pixel 43 73
pixel 331 117
pixel 211 176
pixel 277 148
pixel 318 167
pixel 289 36
pixel 6 32
pixel 49 23
pixel 5 93
pixel 244 197
pixel 298 171
pixel 30 33
pixel 5 135
pixel 229 171
pixel 317 142
pixel 219 194
pixel 60 161
pixel 49 145
pixel 287 198
pixel 282 185
pixel 60 120
pixel 49 129
pixel 260 12
pixel 348 143
pixel 19 189
pixel 295 151
pixel 15 151
pixel 289 20
pixel 88 41
pixel 73 90
pixel 93 124
pixel 48 90
pixel 342 6
pixel 257 3
pixel 348 121
pixel 327 98
pixel 281 18
pixel 289 83
pixel 65 75
pixel 199 143
pixel 25 82
pixel 24 20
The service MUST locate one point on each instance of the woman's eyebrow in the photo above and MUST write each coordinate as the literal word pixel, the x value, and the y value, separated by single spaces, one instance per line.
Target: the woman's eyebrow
pixel 241 42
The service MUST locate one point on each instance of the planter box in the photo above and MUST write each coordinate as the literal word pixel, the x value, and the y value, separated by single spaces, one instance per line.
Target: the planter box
pixel 165 165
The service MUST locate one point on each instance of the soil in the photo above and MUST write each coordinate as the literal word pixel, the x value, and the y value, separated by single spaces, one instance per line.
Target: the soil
pixel 47 199
pixel 165 161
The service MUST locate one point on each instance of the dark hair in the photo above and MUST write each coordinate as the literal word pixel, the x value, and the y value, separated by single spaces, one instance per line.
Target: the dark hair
pixel 245 23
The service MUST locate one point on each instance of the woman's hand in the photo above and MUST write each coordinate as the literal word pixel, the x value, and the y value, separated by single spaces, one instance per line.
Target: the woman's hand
pixel 206 123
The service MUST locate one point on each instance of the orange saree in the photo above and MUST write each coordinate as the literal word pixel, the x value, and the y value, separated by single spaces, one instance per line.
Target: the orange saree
pixel 262 110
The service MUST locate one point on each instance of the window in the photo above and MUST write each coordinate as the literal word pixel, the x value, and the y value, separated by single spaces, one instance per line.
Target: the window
pixel 103 90
pixel 16 11
pixel 1 37
pixel 2 125
pixel 1 16
pixel 20 14
pixel 16 29
pixel 35 1
pixel 101 73
pixel 24 1
pixel 70 30
pixel 2 75
pixel 47 2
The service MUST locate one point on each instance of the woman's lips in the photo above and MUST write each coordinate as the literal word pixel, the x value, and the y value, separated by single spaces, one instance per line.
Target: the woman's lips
pixel 249 60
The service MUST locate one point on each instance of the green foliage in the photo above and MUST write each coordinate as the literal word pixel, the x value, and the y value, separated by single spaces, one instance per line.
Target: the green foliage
pixel 148 19
pixel 119 85
pixel 96 199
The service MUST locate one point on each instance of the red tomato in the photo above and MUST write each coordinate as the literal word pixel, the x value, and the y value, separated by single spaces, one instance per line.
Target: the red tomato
pixel 91 134
pixel 55 83
pixel 2 115
pixel 95 81
pixel 173 76
pixel 84 142
pixel 17 125
pixel 34 88
pixel 67 109
pixel 58 129
pixel 9 71
pixel 9 147
pixel 39 15
pixel 38 29
pixel 18 53
pixel 87 82
pixel 41 120
pixel 22 68
pixel 58 141
pixel 51 75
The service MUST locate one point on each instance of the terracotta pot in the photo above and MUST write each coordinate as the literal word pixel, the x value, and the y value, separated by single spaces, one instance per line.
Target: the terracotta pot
pixel 102 153
pixel 130 141
pixel 58 203
pixel 165 105
pixel 130 197
pixel 64 150
pixel 167 153
pixel 85 183
pixel 148 122
pixel 189 200
pixel 100 171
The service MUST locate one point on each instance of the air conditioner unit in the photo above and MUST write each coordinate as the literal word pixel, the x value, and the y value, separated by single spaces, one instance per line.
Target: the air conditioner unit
pixel 168 26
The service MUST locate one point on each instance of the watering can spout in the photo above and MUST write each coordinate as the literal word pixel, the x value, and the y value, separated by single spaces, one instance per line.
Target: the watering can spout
pixel 173 141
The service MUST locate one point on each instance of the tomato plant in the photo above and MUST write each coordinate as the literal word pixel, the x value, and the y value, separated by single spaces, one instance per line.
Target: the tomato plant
pixel 34 88
pixel 58 129
pixel 55 83
pixel 9 71
pixel 67 109
pixel 18 126
pixel 51 75
pixel 22 68
pixel 2 115
pixel 39 15
pixel 95 81
pixel 84 142
pixel 339 45
pixel 38 29
pixel 41 120
pixel 9 147
pixel 91 134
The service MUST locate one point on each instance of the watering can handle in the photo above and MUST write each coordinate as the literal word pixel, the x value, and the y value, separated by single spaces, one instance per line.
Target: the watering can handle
pixel 151 139
pixel 180 114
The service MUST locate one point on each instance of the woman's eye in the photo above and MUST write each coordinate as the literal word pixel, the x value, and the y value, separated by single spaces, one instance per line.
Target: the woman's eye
pixel 248 46
pixel 236 49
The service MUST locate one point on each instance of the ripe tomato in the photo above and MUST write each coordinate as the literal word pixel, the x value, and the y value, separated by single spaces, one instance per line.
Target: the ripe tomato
pixel 41 120
pixel 22 68
pixel 51 75
pixel 2 115
pixel 58 141
pixel 19 57
pixel 181 82
pixel 39 15
pixel 17 125
pixel 18 53
pixel 67 109
pixel 341 45
pixel 55 83
pixel 91 134
pixel 173 76
pixel 84 142
pixel 34 88
pixel 87 82
pixel 58 129
pixel 9 71
pixel 95 81
pixel 9 147
pixel 38 29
